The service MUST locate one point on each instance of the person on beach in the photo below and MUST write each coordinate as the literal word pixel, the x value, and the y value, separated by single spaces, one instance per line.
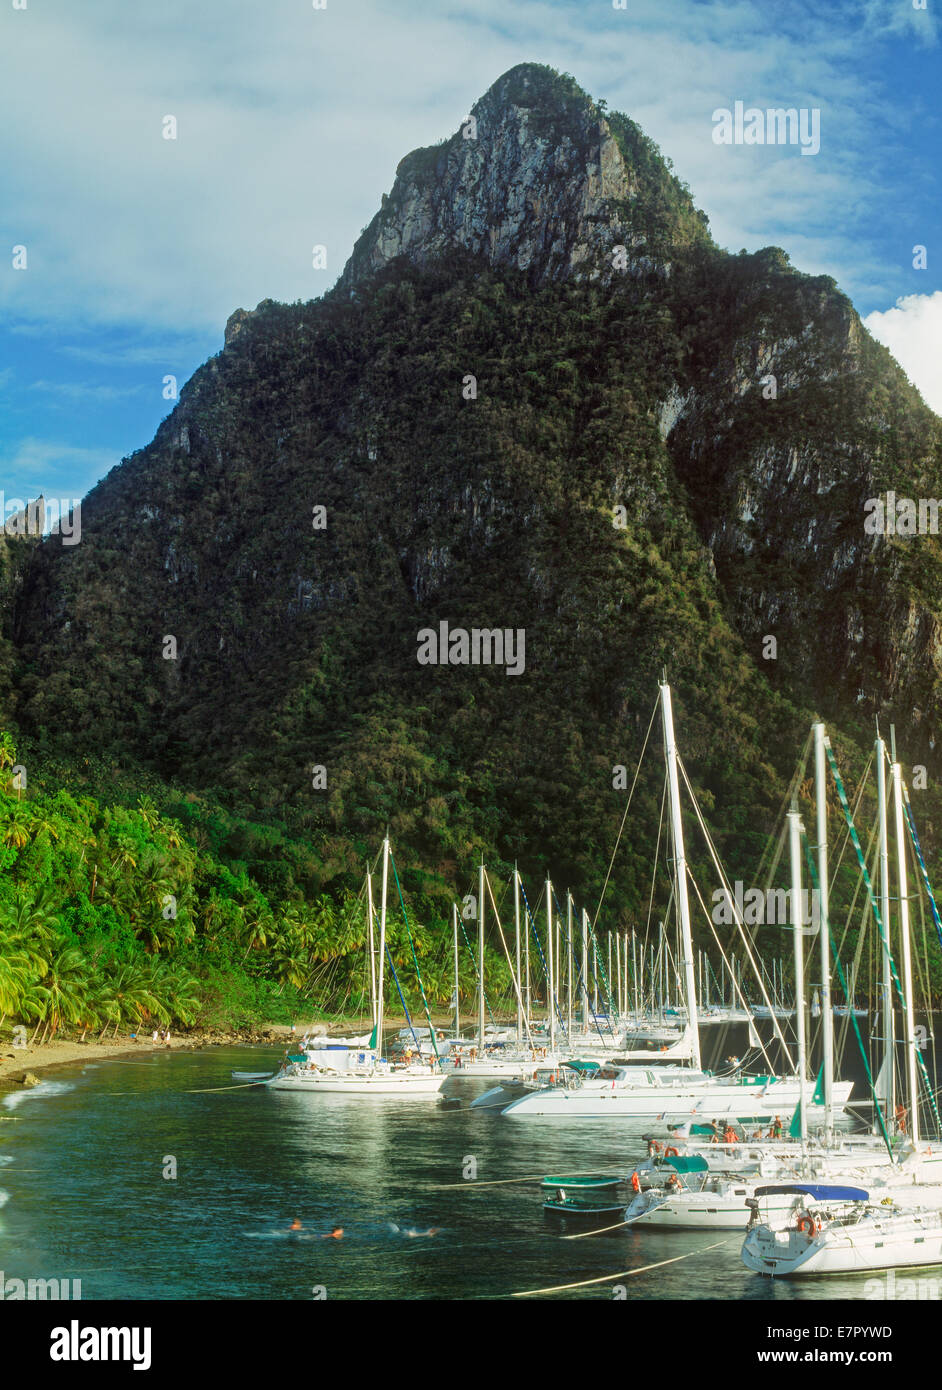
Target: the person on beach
pixel 167 1037
pixel 154 1038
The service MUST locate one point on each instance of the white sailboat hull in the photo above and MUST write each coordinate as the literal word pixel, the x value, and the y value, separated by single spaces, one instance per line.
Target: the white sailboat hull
pixel 907 1240
pixel 653 1096
pixel 405 1084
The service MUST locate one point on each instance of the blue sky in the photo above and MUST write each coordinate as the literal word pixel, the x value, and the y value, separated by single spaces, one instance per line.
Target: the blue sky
pixel 290 123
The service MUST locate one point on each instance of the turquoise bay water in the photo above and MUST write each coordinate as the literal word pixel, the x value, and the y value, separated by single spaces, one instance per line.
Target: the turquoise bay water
pixel 82 1164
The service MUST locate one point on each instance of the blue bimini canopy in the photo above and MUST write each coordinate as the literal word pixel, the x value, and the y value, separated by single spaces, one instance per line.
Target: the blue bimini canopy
pixel 822 1192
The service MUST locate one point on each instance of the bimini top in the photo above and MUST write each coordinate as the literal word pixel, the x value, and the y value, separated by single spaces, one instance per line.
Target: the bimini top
pixel 822 1192
pixel 687 1163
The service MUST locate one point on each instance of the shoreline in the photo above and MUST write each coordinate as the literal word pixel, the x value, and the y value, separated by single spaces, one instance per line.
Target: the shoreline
pixel 15 1063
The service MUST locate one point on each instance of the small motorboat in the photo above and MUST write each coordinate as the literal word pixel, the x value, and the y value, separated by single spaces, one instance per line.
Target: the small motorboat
pixel 593 1195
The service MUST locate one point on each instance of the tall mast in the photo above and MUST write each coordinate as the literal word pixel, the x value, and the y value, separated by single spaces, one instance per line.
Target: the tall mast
pixel 382 950
pixel 680 870
pixel 454 924
pixel 585 971
pixel 827 1017
pixel 618 969
pixel 794 848
pixel 887 1012
pixel 624 959
pixel 517 943
pixel 569 965
pixel 609 991
pixel 481 957
pixel 526 966
pixel 551 977
pixel 634 972
pixel 369 902
pixel 896 776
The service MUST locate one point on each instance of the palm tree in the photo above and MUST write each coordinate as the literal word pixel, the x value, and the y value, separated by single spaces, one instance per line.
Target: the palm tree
pixel 67 982
pixel 16 971
pixel 15 829
pixel 7 752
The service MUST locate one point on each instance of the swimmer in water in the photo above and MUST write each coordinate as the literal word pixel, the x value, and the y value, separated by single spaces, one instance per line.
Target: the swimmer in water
pixel 295 1226
pixel 335 1234
pixel 432 1231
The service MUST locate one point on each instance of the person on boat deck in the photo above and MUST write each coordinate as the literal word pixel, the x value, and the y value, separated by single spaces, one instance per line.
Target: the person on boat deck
pixel 673 1183
pixel 715 1135
pixel 775 1132
pixel 902 1115
pixel 730 1136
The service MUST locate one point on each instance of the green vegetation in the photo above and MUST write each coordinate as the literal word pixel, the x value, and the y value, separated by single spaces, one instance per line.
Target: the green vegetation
pixel 296 648
pixel 117 918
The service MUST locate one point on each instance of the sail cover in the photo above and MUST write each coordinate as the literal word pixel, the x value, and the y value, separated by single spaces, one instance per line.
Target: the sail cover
pixel 822 1192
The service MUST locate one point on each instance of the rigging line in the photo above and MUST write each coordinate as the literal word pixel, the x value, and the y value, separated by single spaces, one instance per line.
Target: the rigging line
pixel 626 1273
pixel 657 851
pixel 579 980
pixel 742 1000
pixel 418 972
pixel 627 806
pixel 922 863
pixel 798 776
pixel 826 926
pixel 536 938
pixel 606 989
pixel 517 991
pixel 737 918
pixel 477 974
pixel 832 762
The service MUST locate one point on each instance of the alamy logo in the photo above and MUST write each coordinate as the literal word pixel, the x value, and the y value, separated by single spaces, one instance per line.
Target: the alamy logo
pixel 901 516
pixel 777 125
pixel 75 1343
pixel 481 646
pixel 39 1290
pixel 771 908
pixel 62 516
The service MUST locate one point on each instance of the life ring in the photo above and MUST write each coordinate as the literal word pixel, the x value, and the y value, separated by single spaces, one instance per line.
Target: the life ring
pixel 806 1222
pixel 654 1147
pixel 670 1153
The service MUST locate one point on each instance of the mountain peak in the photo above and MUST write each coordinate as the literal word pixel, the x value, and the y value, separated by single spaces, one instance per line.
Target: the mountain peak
pixel 536 179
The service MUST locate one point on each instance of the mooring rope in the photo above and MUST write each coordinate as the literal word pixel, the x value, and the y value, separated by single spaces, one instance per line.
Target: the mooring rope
pixel 622 1274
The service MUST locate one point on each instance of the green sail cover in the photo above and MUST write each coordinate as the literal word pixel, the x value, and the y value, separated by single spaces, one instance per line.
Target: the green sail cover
pixel 794 1128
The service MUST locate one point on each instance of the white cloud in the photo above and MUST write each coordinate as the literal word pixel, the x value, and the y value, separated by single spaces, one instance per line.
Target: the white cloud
pixel 912 331
pixel 43 463
pixel 86 391
pixel 291 122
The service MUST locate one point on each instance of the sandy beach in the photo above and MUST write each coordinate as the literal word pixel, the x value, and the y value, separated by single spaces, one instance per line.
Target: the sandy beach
pixel 15 1062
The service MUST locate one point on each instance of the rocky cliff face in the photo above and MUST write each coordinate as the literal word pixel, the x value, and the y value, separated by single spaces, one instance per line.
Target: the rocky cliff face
pixel 664 461
pixel 536 180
